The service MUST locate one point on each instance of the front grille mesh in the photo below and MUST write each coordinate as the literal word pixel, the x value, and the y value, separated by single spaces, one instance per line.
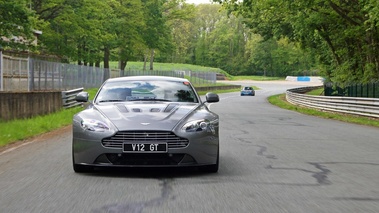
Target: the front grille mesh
pixel 173 141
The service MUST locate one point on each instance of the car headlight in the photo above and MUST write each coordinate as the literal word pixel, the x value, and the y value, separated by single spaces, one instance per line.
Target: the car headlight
pixel 196 126
pixel 93 125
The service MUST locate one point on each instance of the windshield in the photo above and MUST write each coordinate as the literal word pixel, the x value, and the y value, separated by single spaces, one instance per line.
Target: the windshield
pixel 171 91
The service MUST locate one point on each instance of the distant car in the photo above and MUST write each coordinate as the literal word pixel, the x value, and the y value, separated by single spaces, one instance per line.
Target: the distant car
pixel 146 121
pixel 247 91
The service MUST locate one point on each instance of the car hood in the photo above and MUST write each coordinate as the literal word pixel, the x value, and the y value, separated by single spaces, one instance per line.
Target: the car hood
pixel 146 115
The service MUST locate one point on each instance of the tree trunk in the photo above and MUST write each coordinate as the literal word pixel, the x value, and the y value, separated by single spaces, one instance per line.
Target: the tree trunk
pixel 79 55
pixel 152 59
pixel 106 63
pixel 106 57
pixel 327 39
pixel 121 66
pixel 144 62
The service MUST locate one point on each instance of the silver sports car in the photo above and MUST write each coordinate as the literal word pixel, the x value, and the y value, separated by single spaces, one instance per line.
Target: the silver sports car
pixel 146 121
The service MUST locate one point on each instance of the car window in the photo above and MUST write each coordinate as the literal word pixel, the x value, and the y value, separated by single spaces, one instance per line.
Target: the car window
pixel 147 90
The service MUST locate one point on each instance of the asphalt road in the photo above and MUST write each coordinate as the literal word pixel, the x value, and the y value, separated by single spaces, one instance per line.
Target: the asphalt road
pixel 272 160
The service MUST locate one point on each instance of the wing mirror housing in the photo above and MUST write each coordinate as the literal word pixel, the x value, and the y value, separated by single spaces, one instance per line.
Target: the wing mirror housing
pixel 211 97
pixel 82 97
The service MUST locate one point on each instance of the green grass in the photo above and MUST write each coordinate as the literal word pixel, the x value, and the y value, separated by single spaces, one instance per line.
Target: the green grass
pixel 219 91
pixel 138 66
pixel 92 92
pixel 10 131
pixel 195 81
pixel 21 129
pixel 280 101
pixel 316 92
pixel 255 78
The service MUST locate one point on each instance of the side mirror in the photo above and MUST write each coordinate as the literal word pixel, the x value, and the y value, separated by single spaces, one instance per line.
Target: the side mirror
pixel 211 97
pixel 82 97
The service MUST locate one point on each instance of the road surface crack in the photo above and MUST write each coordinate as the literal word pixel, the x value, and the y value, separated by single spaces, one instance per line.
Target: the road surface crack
pixel 321 176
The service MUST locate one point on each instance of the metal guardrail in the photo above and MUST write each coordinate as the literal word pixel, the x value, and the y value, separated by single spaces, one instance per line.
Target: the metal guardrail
pixel 357 106
pixel 68 98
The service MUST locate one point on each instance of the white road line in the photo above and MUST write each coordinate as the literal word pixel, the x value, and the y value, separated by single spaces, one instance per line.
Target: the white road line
pixel 16 147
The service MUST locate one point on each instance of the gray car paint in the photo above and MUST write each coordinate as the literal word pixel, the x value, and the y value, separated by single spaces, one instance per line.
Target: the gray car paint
pixel 146 115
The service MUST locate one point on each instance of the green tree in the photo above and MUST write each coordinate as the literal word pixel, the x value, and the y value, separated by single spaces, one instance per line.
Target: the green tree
pixel 180 19
pixel 206 18
pixel 129 28
pixel 17 23
pixel 89 31
pixel 227 45
pixel 67 29
pixel 262 56
pixel 344 34
pixel 157 33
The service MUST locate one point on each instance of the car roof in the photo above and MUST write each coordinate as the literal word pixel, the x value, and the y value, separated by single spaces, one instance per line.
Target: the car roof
pixel 147 78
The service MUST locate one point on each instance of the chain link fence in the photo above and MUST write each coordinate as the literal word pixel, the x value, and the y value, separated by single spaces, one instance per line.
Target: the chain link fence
pixel 28 74
pixel 46 75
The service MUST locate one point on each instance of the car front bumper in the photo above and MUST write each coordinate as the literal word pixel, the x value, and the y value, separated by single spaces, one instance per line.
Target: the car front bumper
pixel 202 149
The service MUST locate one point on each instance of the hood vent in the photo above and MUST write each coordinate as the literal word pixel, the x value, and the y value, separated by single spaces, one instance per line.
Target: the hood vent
pixel 122 108
pixel 136 110
pixel 170 107
pixel 155 110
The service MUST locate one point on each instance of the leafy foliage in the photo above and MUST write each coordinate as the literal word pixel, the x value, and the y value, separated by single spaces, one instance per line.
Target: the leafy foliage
pixel 224 40
pixel 344 35
pixel 337 39
pixel 16 24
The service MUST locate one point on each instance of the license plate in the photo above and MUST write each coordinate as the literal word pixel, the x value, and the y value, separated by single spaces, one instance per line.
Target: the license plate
pixel 145 147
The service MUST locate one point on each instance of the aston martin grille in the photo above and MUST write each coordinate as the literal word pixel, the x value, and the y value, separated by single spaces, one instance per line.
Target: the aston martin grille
pixel 173 141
